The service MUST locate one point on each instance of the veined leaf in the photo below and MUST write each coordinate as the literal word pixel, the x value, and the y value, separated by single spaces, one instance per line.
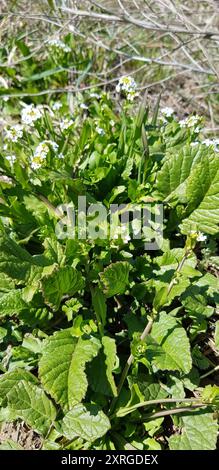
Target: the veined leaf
pixel 65 280
pixel 168 347
pixel 198 432
pixel 99 304
pixel 109 348
pixel 10 379
pixel 31 404
pixel 85 421
pixel 205 217
pixel 192 178
pixel 115 278
pixel 16 262
pixel 177 167
pixel 62 366
pixel 12 303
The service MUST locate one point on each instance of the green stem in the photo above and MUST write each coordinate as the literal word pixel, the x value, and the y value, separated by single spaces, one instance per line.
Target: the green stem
pixel 156 402
pixel 209 372
pixel 173 411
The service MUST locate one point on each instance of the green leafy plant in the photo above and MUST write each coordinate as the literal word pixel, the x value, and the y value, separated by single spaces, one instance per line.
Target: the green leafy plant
pixel 102 339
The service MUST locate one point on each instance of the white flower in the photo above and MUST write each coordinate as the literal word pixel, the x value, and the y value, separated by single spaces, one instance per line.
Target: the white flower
pixel 41 153
pixel 128 86
pixel 58 44
pixel 212 142
pixel 11 159
pixel 194 144
pixel 100 131
pixel 191 121
pixel 94 95
pixel 66 123
pixel 36 162
pixel 83 106
pixel 167 111
pixel 56 106
pixel 201 237
pixel 132 95
pixel 30 114
pixel 14 133
pixel 121 232
pixel 183 123
pixel 44 147
pixel 52 144
pixel 207 142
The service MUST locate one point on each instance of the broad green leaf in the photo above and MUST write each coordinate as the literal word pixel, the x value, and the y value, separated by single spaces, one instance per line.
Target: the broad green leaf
pixel 174 172
pixel 206 215
pixel 169 347
pixel 109 349
pixel 99 304
pixel 191 176
pixel 65 280
pixel 12 303
pixel 10 379
pixel 195 302
pixel 85 421
pixel 210 394
pixel 31 404
pixel 106 361
pixel 115 278
pixel 145 388
pixel 6 283
pixel 198 432
pixel 16 262
pixel 62 366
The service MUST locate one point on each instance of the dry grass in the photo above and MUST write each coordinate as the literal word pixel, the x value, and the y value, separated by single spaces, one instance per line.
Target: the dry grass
pixel 170 46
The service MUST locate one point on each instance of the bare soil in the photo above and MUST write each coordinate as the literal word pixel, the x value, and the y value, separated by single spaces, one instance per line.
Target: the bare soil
pixel 20 434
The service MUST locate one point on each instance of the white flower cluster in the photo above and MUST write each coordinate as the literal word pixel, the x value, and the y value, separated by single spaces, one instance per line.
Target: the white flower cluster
pixel 30 114
pixel 65 124
pixel 200 237
pixel 93 94
pixel 191 122
pixel 41 153
pixel 167 111
pixel 11 159
pixel 128 86
pixel 100 131
pixel 58 44
pixel 213 142
pixel 56 106
pixel 208 143
pixel 14 133
pixel 83 106
pixel 123 233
